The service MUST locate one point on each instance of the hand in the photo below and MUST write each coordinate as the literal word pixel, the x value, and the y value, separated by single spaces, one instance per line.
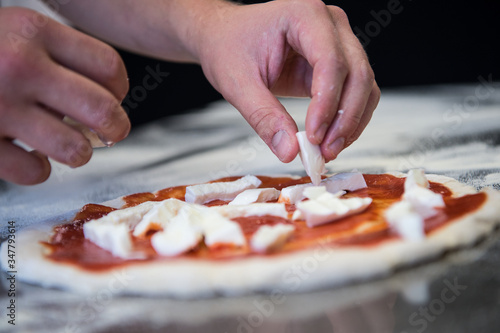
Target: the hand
pixel 290 48
pixel 47 71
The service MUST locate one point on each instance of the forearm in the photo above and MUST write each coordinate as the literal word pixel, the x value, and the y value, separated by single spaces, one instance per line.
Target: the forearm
pixel 252 53
pixel 165 29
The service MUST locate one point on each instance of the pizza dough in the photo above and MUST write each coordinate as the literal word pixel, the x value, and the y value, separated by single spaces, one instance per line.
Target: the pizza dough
pixel 317 267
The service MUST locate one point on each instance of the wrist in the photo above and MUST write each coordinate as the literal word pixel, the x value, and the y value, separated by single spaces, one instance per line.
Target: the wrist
pixel 195 24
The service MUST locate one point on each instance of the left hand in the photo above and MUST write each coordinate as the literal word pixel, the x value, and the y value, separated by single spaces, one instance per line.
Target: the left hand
pixel 290 48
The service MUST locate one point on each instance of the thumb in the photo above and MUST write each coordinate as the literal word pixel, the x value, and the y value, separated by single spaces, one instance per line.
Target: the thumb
pixel 268 117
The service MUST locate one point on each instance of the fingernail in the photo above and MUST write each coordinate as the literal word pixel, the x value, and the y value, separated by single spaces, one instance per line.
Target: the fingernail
pixel 320 132
pixel 106 142
pixel 280 143
pixel 336 147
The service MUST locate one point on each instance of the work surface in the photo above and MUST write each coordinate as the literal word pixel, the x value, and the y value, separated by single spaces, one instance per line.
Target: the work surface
pixel 449 130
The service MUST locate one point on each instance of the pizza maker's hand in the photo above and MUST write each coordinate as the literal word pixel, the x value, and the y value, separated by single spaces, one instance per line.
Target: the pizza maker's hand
pixel 47 71
pixel 291 48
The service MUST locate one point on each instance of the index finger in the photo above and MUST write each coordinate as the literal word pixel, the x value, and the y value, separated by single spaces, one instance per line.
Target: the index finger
pixel 87 56
pixel 359 96
pixel 319 42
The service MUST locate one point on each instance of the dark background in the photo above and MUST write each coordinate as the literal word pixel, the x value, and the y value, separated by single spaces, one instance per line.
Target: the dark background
pixel 419 43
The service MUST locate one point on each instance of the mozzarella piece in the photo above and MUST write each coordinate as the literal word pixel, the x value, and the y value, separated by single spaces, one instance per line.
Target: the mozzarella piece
pixel 255 195
pixel 130 216
pixel 293 194
pixel 405 221
pixel 417 192
pixel 158 217
pixel 178 237
pixel 216 229
pixel 268 238
pixel 349 181
pixel 328 207
pixel 219 230
pixel 256 209
pixel 311 157
pixel 114 238
pixel 204 193
pixel 297 215
pixel 416 178
pixel 418 203
pixel 112 231
pixel 424 201
pixel 315 192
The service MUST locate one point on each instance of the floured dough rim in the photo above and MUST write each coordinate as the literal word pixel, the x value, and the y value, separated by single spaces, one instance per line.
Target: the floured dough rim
pixel 298 271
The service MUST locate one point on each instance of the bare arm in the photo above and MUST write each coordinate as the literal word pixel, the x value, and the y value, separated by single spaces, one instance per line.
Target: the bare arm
pixel 287 47
pixel 157 28
pixel 250 54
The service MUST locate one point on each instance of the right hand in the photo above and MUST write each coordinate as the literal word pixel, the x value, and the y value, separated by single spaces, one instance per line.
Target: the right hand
pixel 48 71
pixel 288 48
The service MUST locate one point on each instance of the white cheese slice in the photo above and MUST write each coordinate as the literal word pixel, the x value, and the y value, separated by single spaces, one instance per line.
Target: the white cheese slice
pixel 255 195
pixel 293 194
pixel 268 238
pixel 405 221
pixel 255 209
pixel 130 216
pixel 112 231
pixel 204 193
pixel 311 157
pixel 219 230
pixel 315 192
pixel 158 217
pixel 424 201
pixel 216 229
pixel 328 207
pixel 349 181
pixel 297 215
pixel 178 237
pixel 417 192
pixel 416 178
pixel 418 202
pixel 114 238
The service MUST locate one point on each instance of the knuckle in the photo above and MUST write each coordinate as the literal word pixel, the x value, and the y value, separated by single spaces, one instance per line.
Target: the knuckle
pixel 357 132
pixel 113 69
pixel 111 120
pixel 373 99
pixel 348 122
pixel 104 109
pixel 76 152
pixel 12 66
pixel 339 14
pixel 16 17
pixel 24 25
pixel 354 119
pixel 375 96
pixel 300 8
pixel 366 73
pixel 339 65
pixel 109 62
pixel 315 4
pixel 376 90
pixel 263 120
pixel 66 146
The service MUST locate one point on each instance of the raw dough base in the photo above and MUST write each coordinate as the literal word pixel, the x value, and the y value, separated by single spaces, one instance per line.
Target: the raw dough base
pixel 299 271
